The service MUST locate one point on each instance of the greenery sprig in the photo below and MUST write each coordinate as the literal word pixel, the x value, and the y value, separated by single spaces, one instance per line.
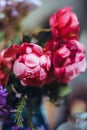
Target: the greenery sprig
pixel 19 112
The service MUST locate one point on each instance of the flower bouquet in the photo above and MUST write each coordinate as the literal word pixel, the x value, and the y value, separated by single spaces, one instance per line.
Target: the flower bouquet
pixel 29 72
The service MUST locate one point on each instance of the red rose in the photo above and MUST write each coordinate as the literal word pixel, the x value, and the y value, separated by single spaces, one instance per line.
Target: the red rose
pixel 32 65
pixel 64 24
pixel 68 61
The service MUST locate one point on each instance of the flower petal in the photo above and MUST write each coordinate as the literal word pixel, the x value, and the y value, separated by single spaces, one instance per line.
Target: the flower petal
pixel 31 60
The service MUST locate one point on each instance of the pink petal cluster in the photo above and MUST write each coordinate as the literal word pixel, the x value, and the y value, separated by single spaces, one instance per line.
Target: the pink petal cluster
pixel 64 24
pixel 32 65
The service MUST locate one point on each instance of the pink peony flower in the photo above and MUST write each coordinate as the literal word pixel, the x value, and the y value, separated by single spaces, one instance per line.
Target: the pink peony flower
pixel 69 60
pixel 64 24
pixel 32 65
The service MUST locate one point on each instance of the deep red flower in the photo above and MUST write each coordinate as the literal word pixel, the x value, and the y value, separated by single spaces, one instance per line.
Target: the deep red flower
pixel 4 65
pixel 64 24
pixel 32 65
pixel 11 51
pixel 7 57
pixel 3 77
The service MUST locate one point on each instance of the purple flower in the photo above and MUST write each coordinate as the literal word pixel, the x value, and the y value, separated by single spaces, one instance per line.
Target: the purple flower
pixel 4 109
pixel 14 13
pixel 14 4
pixel 28 129
pixel 3 96
pixel 42 128
pixel 16 128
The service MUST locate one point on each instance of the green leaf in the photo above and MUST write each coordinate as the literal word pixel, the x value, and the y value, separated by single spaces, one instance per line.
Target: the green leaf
pixel 16 40
pixel 64 91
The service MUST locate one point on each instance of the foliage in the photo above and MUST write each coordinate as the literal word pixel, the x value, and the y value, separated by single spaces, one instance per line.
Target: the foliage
pixel 19 112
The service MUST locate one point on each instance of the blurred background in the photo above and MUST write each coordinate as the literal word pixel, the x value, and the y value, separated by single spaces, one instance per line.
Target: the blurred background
pixel 38 17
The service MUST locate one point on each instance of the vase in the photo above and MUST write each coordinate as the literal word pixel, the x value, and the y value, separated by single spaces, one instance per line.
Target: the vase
pixel 78 122
pixel 52 113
